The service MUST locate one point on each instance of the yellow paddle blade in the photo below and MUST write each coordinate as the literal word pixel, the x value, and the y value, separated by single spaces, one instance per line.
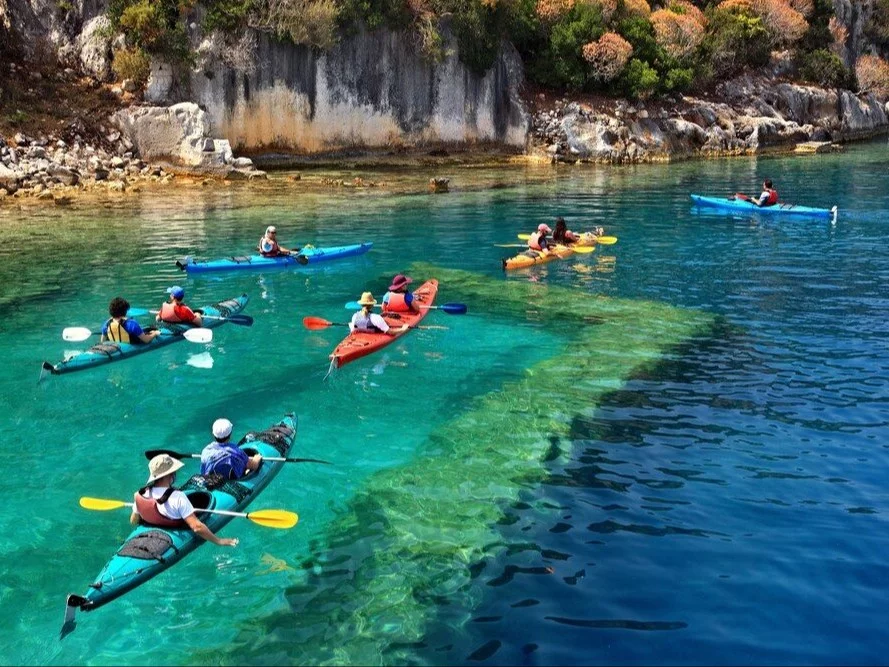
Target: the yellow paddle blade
pixel 584 250
pixel 607 240
pixel 100 504
pixel 274 518
pixel 524 237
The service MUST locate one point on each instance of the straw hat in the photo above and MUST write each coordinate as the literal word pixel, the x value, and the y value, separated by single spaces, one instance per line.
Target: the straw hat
pixel 367 299
pixel 161 466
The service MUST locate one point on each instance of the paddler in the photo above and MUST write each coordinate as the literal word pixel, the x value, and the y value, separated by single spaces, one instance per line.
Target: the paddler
pixel 120 329
pixel 159 504
pixel 224 457
pixel 176 312
pixel 398 299
pixel 366 321
pixel 538 240
pixel 768 196
pixel 268 244
pixel 564 236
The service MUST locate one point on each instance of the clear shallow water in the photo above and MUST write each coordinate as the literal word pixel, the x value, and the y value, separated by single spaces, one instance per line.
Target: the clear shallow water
pixel 726 503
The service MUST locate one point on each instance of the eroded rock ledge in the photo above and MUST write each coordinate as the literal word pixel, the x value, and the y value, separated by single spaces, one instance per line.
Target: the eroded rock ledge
pixel 752 116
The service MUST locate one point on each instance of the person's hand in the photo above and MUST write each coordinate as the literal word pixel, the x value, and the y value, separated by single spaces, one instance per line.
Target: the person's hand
pixel 404 327
pixel 228 541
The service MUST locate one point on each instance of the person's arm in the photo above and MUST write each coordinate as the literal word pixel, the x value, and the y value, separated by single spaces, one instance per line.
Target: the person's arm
pixel 135 330
pixel 134 518
pixel 199 529
pixel 412 302
pixel 254 462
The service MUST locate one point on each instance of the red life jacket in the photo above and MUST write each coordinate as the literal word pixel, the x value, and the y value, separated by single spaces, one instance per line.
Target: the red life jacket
pixel 150 514
pixel 773 197
pixel 176 312
pixel 396 304
pixel 268 247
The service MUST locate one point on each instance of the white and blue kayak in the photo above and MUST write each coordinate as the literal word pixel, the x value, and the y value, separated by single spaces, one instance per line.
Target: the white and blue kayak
pixel 743 205
pixel 307 255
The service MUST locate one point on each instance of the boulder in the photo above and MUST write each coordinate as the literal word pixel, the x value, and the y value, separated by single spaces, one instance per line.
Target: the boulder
pixel 63 175
pixel 242 163
pixel 8 177
pixel 93 47
pixel 176 133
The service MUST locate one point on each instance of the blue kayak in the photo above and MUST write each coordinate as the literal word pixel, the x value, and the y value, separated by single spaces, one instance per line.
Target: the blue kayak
pixel 738 205
pixel 149 550
pixel 308 255
pixel 103 353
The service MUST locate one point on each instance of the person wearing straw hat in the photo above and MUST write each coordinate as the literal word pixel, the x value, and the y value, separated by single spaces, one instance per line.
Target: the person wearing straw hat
pixel 268 244
pixel 176 312
pixel 224 457
pixel 367 321
pixel 398 299
pixel 159 504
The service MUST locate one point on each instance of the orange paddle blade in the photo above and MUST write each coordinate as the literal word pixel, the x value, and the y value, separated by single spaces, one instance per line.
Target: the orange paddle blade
pixel 313 323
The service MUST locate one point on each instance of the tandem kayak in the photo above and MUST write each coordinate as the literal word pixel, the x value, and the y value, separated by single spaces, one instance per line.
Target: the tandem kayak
pixel 733 204
pixel 103 353
pixel 359 344
pixel 149 550
pixel 531 257
pixel 308 255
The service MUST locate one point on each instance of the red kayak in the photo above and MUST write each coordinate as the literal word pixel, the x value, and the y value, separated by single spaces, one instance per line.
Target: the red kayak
pixel 359 344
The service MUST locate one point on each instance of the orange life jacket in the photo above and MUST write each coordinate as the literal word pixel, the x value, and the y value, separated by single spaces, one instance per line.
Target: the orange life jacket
pixel 534 241
pixel 171 312
pixel 150 514
pixel 396 303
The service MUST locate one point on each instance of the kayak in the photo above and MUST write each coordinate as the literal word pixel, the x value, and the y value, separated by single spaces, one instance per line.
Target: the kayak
pixel 531 257
pixel 308 255
pixel 732 204
pixel 359 344
pixel 149 550
pixel 103 353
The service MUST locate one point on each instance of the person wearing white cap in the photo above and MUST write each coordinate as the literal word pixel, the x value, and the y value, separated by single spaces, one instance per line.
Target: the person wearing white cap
pixel 224 457
pixel 159 504
pixel 176 311
pixel 268 244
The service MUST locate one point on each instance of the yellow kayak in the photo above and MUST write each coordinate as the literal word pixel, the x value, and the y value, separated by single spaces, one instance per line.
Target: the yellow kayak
pixel 531 257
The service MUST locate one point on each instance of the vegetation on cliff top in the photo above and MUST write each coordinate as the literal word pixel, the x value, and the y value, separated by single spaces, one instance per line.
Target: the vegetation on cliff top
pixel 623 47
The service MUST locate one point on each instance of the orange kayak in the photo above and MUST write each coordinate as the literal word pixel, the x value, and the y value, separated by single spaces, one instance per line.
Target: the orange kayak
pixel 359 344
pixel 531 257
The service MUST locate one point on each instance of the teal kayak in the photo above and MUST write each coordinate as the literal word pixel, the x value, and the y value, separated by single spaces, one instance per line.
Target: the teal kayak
pixel 149 550
pixel 308 255
pixel 732 204
pixel 103 353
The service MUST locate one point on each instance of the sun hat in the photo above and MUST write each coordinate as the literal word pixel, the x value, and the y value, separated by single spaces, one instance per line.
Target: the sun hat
pixel 270 229
pixel 543 227
pixel 161 466
pixel 400 281
pixel 176 292
pixel 367 299
pixel 222 428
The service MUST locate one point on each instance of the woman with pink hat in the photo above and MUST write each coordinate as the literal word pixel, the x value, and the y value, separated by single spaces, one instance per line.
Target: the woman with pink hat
pixel 398 299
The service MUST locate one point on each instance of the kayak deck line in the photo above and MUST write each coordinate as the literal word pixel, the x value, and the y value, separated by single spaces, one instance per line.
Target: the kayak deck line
pixel 306 255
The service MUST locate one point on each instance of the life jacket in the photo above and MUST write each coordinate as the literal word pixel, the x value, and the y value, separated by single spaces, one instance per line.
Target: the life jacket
pixel 396 303
pixel 149 512
pixel 116 332
pixel 773 197
pixel 268 248
pixel 534 241
pixel 220 459
pixel 170 312
pixel 365 324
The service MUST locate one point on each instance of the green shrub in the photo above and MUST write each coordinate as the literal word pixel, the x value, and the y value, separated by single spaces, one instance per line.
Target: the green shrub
pixel 877 28
pixel 226 15
pixel 824 68
pixel 734 40
pixel 639 80
pixel 678 79
pixel 561 63
pixel 155 26
pixel 132 64
pixel 373 14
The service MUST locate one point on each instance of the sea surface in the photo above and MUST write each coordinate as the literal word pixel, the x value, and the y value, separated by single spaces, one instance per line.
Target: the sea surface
pixel 723 501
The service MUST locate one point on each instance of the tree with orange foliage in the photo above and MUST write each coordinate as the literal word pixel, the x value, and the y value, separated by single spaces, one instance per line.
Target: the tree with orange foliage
pixel 786 26
pixel 678 34
pixel 608 56
pixel 550 11
pixel 873 75
pixel 637 8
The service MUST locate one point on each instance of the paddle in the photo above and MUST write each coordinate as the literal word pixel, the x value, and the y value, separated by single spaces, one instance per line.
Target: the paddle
pixel 242 320
pixel 267 518
pixel 151 453
pixel 602 240
pixel 315 323
pixel 195 335
pixel 449 308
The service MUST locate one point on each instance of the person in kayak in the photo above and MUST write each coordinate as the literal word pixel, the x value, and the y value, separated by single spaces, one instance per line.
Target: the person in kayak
pixel 120 329
pixel 366 321
pixel 398 299
pixel 768 197
pixel 174 311
pixel 538 240
pixel 564 236
pixel 224 457
pixel 268 244
pixel 159 504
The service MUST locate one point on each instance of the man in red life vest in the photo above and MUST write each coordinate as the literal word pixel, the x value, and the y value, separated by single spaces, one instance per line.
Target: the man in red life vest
pixel 175 311
pixel 769 196
pixel 268 244
pixel 159 504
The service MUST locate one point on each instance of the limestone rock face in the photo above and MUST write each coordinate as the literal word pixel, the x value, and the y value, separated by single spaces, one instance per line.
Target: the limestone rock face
pixel 175 133
pixel 93 47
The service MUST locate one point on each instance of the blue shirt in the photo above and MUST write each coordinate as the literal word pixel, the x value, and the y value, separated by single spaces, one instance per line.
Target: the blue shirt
pixel 130 326
pixel 225 458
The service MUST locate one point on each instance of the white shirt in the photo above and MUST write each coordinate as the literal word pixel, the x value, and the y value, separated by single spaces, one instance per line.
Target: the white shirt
pixel 178 506
pixel 362 323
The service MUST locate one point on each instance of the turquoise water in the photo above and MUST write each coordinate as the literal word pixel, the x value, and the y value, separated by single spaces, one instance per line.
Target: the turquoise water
pixel 719 497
